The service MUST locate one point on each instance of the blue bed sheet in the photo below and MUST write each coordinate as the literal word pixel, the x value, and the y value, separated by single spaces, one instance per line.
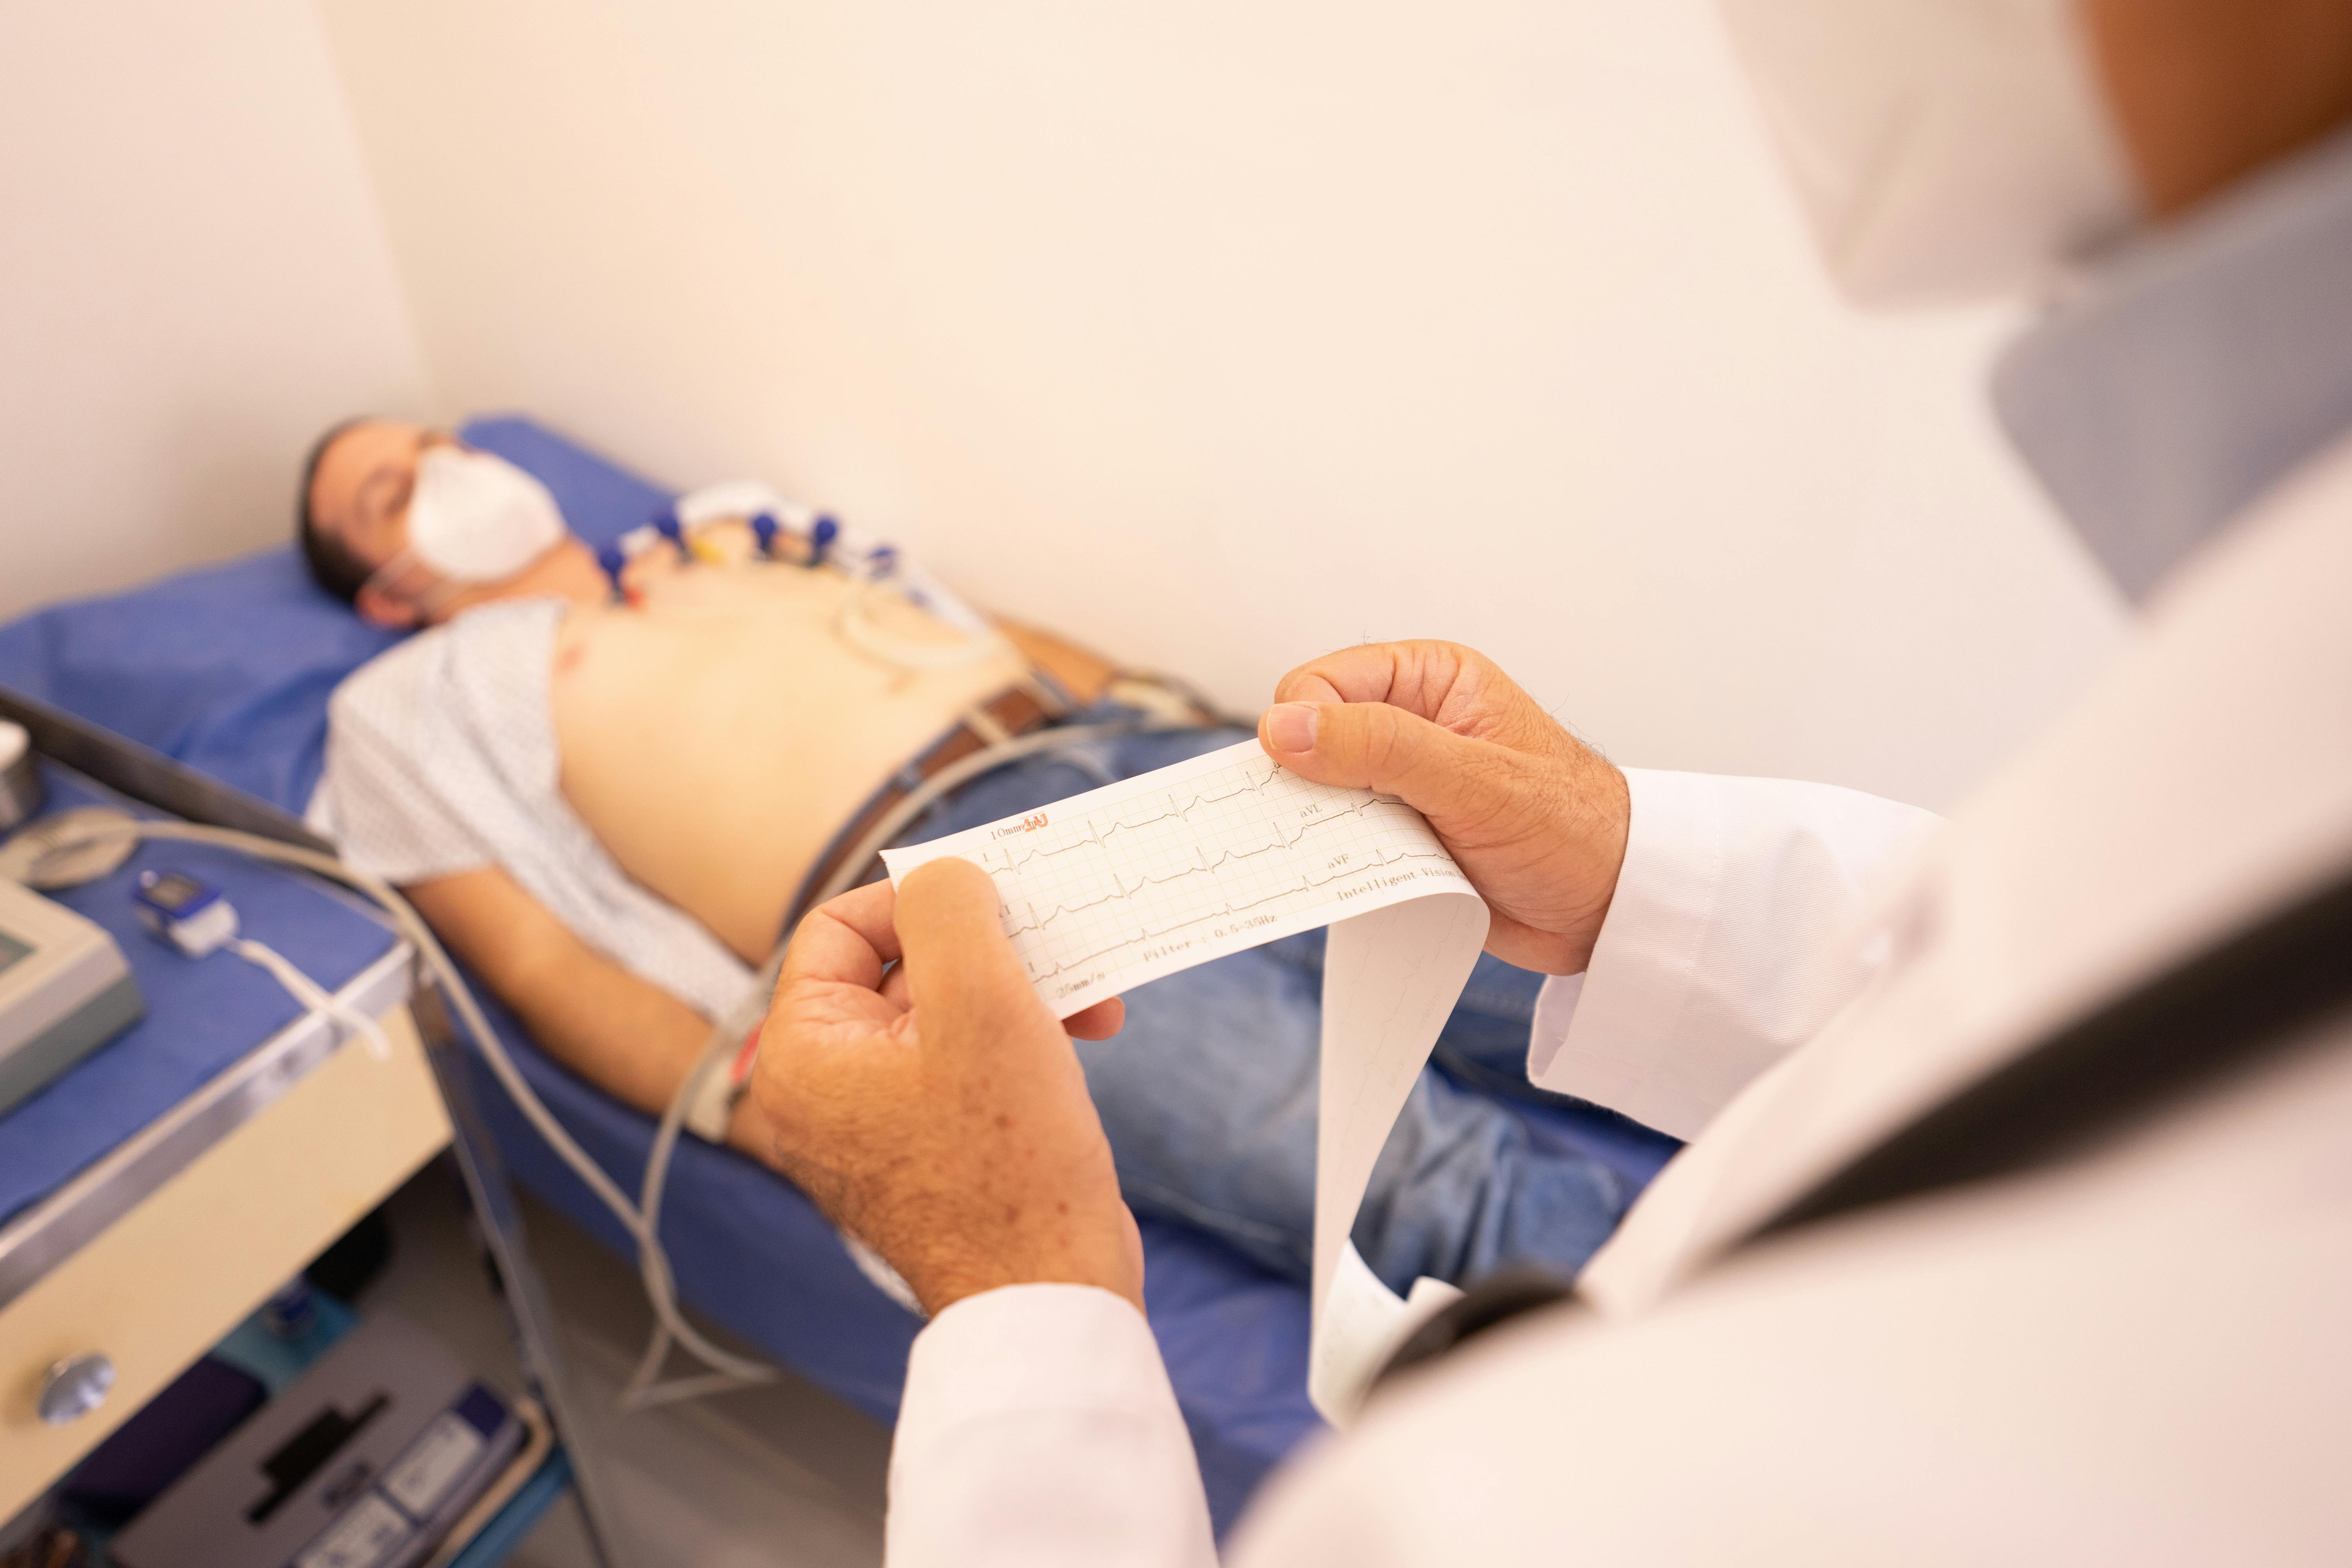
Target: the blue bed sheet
pixel 229 668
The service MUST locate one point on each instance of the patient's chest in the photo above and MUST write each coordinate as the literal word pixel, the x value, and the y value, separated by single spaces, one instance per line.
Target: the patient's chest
pixel 715 737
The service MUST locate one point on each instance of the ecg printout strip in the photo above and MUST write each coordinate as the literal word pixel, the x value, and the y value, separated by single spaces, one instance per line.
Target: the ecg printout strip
pixel 1104 890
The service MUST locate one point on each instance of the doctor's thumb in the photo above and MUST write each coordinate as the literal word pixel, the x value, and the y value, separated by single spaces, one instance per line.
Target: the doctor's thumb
pixel 960 968
pixel 1371 745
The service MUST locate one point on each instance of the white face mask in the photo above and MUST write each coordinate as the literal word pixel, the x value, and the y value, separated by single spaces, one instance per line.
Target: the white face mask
pixel 1944 150
pixel 474 518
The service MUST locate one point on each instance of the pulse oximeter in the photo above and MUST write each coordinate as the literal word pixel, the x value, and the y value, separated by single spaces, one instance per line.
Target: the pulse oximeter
pixel 191 915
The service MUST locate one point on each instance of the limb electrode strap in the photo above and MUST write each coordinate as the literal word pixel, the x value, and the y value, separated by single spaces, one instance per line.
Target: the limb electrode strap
pixel 716 1092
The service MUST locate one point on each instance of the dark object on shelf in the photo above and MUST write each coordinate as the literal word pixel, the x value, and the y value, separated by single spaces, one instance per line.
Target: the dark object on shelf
pixel 160 1444
pixel 356 1259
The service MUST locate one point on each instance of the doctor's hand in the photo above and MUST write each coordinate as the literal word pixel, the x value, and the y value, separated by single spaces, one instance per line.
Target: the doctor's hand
pixel 1535 818
pixel 937 1111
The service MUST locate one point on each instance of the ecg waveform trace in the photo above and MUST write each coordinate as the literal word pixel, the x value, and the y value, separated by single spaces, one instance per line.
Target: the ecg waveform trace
pixel 1165 876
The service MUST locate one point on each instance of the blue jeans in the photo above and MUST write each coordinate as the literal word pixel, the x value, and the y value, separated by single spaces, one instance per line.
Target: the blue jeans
pixel 1208 1094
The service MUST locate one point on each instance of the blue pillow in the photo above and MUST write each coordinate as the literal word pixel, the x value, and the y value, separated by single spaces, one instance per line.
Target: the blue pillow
pixel 228 668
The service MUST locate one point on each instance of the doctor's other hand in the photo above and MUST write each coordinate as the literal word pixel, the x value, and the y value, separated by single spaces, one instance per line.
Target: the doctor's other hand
pixel 1537 819
pixel 910 1082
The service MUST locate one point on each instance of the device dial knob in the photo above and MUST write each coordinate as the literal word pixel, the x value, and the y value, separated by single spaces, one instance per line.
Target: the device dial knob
pixel 75 1386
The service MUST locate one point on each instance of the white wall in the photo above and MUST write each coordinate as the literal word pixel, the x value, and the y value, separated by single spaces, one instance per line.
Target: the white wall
pixel 1222 333
pixel 193 282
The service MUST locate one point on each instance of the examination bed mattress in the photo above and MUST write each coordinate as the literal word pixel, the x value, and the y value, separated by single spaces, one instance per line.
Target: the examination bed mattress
pixel 228 669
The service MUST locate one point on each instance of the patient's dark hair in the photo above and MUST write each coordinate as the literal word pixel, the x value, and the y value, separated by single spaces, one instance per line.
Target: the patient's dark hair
pixel 338 569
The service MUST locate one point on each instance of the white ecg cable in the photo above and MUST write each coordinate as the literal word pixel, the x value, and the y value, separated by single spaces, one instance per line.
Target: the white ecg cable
pixel 312 994
pixel 856 626
pixel 728 1371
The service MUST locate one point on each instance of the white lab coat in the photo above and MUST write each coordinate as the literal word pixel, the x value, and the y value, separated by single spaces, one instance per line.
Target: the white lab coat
pixel 2143 1357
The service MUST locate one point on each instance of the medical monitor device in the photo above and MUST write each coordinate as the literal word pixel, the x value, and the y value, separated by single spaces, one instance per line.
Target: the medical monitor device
pixel 64 990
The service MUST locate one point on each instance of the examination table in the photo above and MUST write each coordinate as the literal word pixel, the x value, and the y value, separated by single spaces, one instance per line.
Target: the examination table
pixel 228 669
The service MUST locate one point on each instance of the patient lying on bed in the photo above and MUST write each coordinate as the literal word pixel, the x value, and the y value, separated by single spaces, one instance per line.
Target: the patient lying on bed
pixel 606 801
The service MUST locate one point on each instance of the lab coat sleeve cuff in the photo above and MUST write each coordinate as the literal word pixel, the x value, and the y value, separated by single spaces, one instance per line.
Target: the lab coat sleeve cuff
pixel 1731 938
pixel 1604 1035
pixel 1039 1427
